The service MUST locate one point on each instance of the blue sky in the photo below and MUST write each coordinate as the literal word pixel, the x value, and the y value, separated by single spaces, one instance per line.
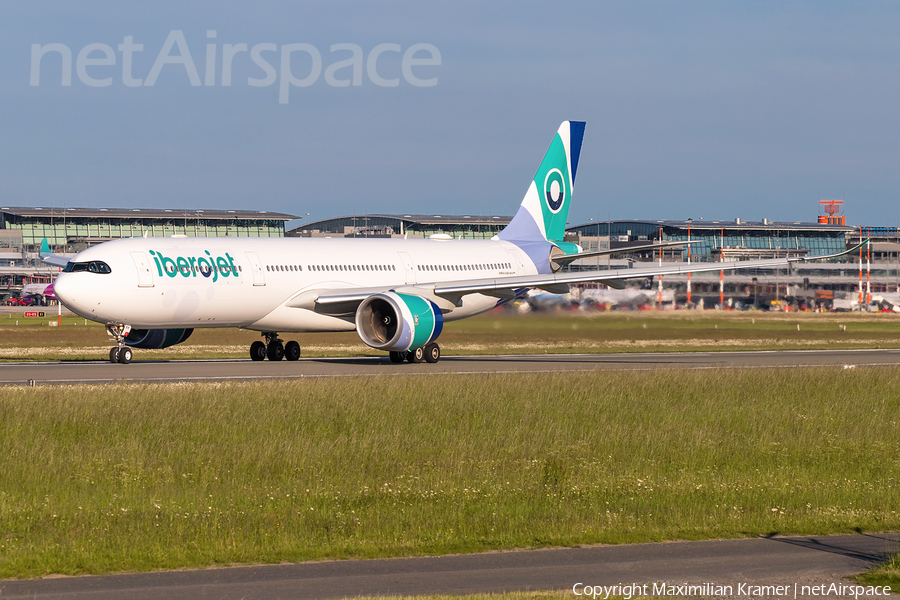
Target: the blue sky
pixel 710 110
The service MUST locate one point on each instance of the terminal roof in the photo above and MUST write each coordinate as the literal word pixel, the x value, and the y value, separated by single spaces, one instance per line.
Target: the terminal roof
pixel 144 213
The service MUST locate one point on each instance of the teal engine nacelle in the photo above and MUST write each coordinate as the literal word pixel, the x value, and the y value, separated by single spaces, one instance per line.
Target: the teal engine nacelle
pixel 398 322
pixel 152 339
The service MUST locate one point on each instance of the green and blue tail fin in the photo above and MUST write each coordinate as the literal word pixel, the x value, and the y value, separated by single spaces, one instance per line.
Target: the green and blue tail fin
pixel 543 213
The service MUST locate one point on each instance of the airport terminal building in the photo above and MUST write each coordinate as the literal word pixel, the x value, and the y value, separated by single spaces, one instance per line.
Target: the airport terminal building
pixel 876 271
pixel 70 230
pixel 73 229
pixel 470 227
pixel 712 241
pixel 716 240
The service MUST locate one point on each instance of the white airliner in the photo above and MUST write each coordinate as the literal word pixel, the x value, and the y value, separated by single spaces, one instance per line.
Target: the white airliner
pixel 396 293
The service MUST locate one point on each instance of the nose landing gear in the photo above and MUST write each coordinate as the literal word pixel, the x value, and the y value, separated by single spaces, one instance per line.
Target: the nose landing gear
pixel 274 349
pixel 120 353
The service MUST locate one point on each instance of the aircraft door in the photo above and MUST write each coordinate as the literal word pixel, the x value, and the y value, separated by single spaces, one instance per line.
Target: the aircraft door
pixel 259 276
pixel 145 275
pixel 408 267
pixel 519 261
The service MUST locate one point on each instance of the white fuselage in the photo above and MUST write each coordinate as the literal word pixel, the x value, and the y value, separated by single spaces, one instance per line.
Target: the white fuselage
pixel 251 282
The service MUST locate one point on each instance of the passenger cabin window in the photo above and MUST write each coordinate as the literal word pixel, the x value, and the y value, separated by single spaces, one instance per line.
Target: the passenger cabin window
pixel 344 268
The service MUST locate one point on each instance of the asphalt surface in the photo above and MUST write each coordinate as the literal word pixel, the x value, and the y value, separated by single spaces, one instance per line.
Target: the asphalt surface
pixel 759 561
pixel 223 370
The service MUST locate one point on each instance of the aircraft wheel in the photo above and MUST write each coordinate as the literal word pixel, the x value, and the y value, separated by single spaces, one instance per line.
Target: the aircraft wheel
pixel 275 351
pixel 416 356
pixel 257 351
pixel 124 355
pixel 292 350
pixel 113 355
pixel 397 357
pixel 432 353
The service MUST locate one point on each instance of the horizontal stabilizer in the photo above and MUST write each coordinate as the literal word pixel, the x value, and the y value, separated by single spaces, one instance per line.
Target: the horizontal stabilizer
pixel 565 259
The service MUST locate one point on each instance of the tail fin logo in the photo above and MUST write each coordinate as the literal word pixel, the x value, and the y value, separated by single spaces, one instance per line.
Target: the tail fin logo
pixel 554 190
pixel 542 215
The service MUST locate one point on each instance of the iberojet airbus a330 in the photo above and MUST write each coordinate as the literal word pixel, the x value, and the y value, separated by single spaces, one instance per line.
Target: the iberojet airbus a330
pixel 396 293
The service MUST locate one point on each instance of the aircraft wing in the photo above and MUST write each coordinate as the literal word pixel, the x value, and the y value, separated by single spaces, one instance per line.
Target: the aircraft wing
pixel 448 295
pixel 558 282
pixel 50 258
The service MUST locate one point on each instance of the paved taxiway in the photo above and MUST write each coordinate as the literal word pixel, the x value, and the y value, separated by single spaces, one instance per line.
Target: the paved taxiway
pixel 224 370
pixel 760 561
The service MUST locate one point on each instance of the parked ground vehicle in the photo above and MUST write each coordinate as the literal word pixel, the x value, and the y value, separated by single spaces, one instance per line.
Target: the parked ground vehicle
pixel 19 301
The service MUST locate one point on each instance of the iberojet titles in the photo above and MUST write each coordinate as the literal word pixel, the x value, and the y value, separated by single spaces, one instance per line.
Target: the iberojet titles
pixel 190 266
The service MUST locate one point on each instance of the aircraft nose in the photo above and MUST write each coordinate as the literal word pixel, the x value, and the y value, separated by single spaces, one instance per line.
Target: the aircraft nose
pixel 66 290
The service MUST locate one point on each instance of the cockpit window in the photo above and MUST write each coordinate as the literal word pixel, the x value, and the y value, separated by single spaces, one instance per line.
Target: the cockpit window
pixel 94 266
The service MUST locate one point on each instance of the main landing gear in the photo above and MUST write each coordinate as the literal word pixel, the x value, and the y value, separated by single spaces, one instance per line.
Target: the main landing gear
pixel 274 349
pixel 120 353
pixel 430 353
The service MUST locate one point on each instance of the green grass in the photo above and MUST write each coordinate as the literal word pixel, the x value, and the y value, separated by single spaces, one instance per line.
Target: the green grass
pixel 111 478
pixel 887 574
pixel 498 333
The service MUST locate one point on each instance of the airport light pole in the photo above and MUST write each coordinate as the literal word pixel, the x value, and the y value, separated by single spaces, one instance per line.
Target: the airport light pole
pixel 868 270
pixel 689 266
pixel 860 272
pixel 660 265
pixel 722 272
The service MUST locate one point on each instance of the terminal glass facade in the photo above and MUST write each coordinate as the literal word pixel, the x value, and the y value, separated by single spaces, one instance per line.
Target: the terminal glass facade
pixel 71 233
pixel 713 240
pixel 385 226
